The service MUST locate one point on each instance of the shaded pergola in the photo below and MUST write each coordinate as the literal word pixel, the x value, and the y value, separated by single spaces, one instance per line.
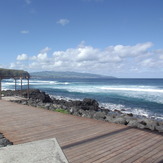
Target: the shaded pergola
pixel 15 74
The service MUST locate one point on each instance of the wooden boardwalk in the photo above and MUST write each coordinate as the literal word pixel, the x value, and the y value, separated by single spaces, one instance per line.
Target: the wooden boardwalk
pixel 83 140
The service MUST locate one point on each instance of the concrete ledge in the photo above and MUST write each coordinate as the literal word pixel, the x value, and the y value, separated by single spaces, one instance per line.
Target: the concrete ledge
pixel 8 98
pixel 42 151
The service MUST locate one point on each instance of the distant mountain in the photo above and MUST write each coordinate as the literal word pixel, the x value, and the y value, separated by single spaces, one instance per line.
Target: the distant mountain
pixel 67 74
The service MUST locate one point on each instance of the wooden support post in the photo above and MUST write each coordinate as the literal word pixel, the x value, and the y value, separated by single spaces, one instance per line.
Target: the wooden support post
pixel 0 89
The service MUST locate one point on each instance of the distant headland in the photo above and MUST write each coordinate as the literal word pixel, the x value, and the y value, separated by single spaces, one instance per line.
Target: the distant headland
pixel 65 74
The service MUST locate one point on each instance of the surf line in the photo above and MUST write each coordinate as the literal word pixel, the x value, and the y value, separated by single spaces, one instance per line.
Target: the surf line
pixel 132 89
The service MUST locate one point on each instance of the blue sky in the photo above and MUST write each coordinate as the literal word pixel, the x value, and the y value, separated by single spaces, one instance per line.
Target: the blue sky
pixel 123 38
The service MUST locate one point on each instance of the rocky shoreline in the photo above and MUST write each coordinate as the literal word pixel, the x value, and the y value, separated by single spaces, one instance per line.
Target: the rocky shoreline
pixel 86 108
pixel 4 142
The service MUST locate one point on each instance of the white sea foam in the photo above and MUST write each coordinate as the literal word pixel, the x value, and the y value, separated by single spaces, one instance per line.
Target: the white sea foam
pixel 148 93
pixel 147 96
pixel 135 111
pixel 65 98
pixel 105 89
pixel 83 89
pixel 35 82
pixel 38 82
pixel 152 95
pixel 136 89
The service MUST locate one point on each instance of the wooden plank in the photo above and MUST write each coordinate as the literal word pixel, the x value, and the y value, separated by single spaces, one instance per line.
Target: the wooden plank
pixel 148 153
pixel 100 143
pixel 140 146
pixel 82 139
pixel 104 148
pixel 158 159
pixel 156 156
pixel 0 88
pixel 141 156
pixel 112 151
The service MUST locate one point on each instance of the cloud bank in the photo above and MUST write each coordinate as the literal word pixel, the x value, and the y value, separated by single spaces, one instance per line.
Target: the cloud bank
pixel 22 57
pixel 118 59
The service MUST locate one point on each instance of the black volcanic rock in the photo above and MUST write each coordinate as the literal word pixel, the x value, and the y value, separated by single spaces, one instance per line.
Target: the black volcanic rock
pixel 39 96
pixel 90 104
pixel 4 142
pixel 87 108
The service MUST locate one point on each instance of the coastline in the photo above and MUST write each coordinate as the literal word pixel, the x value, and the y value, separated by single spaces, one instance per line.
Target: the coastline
pixel 137 96
pixel 86 108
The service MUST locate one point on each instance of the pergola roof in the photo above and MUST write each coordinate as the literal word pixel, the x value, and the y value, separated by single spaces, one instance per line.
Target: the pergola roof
pixel 16 74
pixel 10 73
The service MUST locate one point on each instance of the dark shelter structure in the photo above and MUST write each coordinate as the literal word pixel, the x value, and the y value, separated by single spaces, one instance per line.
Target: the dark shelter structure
pixel 15 74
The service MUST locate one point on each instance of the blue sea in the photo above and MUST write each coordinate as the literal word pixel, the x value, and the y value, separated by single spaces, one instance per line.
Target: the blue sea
pixel 142 97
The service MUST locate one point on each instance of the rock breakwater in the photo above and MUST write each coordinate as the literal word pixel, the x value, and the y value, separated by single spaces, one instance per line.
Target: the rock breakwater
pixel 86 108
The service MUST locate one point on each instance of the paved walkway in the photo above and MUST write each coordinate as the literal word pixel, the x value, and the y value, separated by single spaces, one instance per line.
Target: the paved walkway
pixel 41 151
pixel 82 140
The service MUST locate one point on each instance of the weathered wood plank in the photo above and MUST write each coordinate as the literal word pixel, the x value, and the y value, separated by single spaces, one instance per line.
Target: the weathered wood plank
pixel 141 156
pixel 82 139
pixel 112 152
pixel 157 156
pixel 86 147
pixel 132 149
pixel 100 152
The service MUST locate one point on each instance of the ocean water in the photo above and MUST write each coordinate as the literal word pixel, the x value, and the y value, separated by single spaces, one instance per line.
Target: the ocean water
pixel 142 97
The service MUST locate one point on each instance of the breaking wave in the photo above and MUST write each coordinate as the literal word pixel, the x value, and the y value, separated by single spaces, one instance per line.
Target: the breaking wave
pixel 134 96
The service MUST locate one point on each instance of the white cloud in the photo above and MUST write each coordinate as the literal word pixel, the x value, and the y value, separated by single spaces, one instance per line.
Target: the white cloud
pixel 110 59
pixel 42 56
pixel 41 61
pixel 125 51
pixel 79 54
pixel 113 60
pixel 12 65
pixel 161 57
pixel 159 52
pixel 22 57
pixel 24 32
pixel 63 22
pixel 45 50
pixel 18 65
pixel 147 62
